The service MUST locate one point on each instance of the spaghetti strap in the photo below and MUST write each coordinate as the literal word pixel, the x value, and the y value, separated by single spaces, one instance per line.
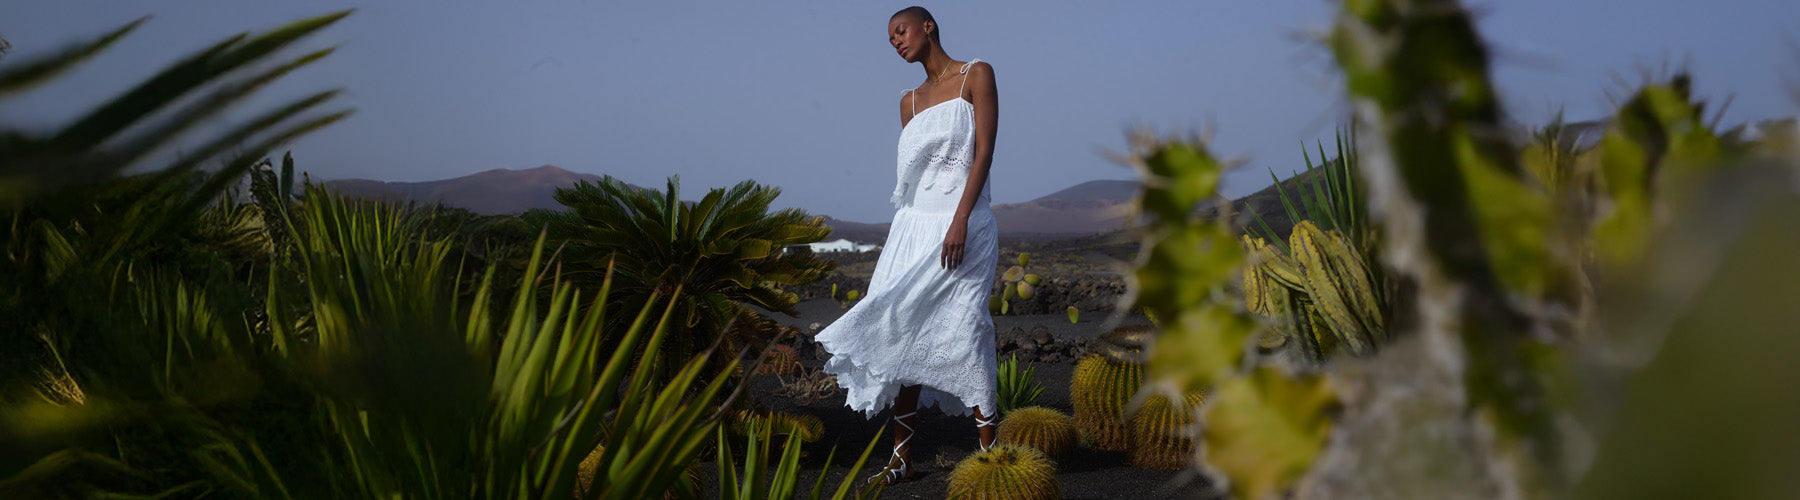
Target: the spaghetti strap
pixel 915 99
pixel 965 80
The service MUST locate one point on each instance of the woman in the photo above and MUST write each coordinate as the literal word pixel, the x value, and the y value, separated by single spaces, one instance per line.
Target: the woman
pixel 924 323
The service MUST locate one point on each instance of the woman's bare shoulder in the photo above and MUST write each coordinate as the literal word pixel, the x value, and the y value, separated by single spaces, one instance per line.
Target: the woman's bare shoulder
pixel 906 105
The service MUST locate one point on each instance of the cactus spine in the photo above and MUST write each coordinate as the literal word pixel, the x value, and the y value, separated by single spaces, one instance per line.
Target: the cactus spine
pixel 1104 382
pixel 1162 433
pixel 1047 430
pixel 1007 471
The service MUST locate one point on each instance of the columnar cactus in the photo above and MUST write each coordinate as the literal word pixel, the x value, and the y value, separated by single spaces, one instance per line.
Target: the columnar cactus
pixel 1047 430
pixel 1006 471
pixel 1104 382
pixel 1162 434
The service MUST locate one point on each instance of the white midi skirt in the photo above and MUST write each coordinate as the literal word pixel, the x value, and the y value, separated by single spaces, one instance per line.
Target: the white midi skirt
pixel 921 324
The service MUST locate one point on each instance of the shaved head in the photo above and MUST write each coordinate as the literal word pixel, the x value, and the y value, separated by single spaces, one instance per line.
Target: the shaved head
pixel 917 13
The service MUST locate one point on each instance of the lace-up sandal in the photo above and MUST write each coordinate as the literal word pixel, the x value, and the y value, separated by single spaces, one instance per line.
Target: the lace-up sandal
pixel 891 474
pixel 979 423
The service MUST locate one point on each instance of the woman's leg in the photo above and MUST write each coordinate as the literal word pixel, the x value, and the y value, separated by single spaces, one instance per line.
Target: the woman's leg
pixel 906 403
pixel 899 467
pixel 984 424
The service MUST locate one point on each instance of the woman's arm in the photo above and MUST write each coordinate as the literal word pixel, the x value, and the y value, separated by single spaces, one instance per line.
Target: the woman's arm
pixel 986 99
pixel 906 101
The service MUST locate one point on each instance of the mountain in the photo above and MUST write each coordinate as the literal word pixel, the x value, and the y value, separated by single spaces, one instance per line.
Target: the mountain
pixel 497 191
pixel 1089 207
pixel 1085 208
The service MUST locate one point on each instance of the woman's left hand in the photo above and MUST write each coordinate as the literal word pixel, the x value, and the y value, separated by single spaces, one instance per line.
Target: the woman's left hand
pixel 952 255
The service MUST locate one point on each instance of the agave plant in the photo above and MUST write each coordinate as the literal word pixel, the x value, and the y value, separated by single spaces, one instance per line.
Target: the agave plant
pixel 74 225
pixel 725 251
pixel 1017 387
pixel 1334 202
pixel 757 481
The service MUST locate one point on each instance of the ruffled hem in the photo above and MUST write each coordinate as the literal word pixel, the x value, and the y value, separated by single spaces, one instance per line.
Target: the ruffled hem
pixel 921 324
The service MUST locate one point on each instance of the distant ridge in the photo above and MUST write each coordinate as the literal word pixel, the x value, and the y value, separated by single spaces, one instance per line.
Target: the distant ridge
pixel 1086 208
pixel 497 191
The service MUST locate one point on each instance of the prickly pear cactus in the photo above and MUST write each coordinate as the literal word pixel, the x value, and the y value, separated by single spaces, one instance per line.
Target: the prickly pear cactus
pixel 1104 381
pixel 1009 472
pixel 1048 430
pixel 1162 434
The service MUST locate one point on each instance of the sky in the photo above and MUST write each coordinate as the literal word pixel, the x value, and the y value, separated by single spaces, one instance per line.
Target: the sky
pixel 804 94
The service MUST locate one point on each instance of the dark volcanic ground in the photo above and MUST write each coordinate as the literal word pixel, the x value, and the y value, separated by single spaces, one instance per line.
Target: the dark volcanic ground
pixel 942 441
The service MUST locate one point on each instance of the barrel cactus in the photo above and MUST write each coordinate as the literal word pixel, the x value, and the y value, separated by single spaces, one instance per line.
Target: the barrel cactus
pixel 1162 433
pixel 1006 471
pixel 1047 430
pixel 1105 381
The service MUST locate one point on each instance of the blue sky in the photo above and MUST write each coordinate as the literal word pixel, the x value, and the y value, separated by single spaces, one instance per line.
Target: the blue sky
pixel 803 94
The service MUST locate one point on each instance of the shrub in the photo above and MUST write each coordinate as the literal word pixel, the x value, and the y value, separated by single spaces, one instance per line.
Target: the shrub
pixel 724 252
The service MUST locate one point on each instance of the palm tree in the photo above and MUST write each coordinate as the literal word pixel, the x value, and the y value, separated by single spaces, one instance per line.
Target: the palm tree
pixel 727 253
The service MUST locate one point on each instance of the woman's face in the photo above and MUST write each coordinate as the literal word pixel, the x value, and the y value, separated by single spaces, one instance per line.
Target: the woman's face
pixel 908 37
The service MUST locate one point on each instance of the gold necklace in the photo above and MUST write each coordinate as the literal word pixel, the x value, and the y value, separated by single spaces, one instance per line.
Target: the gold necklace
pixel 945 73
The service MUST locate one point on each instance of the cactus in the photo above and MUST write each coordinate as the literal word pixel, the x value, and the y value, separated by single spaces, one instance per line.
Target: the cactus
pixel 1074 314
pixel 1024 258
pixel 1033 279
pixel 1013 274
pixel 1006 471
pixel 852 295
pixel 1267 428
pixel 1162 434
pixel 1104 382
pixel 1047 430
pixel 1026 291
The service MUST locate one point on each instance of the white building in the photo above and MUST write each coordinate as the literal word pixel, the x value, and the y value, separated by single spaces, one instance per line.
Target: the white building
pixel 842 245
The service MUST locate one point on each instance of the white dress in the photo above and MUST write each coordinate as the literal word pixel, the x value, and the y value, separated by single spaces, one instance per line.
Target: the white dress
pixel 921 324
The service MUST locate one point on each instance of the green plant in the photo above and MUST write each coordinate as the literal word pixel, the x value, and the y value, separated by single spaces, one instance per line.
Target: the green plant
pixel 1047 430
pixel 73 224
pixel 1322 292
pixel 1017 388
pixel 1162 434
pixel 782 360
pixel 808 427
pixel 1322 286
pixel 1014 282
pixel 1336 201
pixel 1264 428
pixel 1104 382
pixel 1005 472
pixel 756 481
pixel 724 251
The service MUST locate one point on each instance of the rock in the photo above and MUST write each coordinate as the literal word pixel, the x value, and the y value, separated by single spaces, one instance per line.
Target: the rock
pixel 1016 334
pixel 1027 351
pixel 1051 358
pixel 1041 335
